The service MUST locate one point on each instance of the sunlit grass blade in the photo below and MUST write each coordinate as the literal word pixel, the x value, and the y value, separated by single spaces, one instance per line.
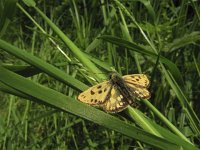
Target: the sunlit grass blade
pixel 166 134
pixel 155 129
pixel 165 120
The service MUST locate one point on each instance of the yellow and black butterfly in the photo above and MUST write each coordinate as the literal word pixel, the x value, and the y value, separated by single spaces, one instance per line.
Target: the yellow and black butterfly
pixel 117 93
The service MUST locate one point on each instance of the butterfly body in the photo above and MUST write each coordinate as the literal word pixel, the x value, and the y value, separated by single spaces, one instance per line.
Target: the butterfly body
pixel 117 93
pixel 121 86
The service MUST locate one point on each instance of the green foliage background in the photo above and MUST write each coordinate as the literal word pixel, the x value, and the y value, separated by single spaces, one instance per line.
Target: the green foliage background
pixel 50 51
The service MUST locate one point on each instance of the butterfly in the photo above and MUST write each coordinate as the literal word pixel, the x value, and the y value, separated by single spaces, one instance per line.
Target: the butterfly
pixel 118 93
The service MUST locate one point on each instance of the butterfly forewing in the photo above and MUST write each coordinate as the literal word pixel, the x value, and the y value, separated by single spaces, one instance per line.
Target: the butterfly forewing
pixel 96 95
pixel 138 84
pixel 115 101
pixel 140 80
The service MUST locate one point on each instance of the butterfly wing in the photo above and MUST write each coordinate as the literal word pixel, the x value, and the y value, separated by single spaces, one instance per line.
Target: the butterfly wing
pixel 111 96
pixel 140 80
pixel 138 84
pixel 139 92
pixel 115 101
pixel 96 95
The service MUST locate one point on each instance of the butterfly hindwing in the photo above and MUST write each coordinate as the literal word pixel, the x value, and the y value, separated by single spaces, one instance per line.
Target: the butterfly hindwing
pixel 138 91
pixel 96 95
pixel 115 101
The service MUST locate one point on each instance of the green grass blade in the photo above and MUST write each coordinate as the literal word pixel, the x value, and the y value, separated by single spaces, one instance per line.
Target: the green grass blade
pixel 24 70
pixel 165 120
pixel 150 9
pixel 76 51
pixel 8 89
pixel 40 64
pixel 165 133
pixel 187 39
pixel 194 120
pixel 6 13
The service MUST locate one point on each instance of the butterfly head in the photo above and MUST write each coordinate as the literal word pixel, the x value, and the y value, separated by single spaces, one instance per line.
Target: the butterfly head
pixel 115 77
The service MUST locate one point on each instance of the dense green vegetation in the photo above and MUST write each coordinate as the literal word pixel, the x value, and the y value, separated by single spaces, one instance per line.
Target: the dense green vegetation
pixel 50 51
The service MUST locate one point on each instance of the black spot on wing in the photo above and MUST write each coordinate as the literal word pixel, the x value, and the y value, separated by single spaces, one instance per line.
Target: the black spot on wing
pixel 98 87
pixel 92 92
pixel 83 96
pixel 100 91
